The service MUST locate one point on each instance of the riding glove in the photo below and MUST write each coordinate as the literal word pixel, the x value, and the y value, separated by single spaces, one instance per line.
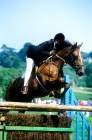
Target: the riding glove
pixel 52 52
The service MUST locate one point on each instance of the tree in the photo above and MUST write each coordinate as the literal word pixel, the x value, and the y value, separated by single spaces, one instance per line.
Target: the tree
pixel 84 55
pixel 88 73
pixel 9 58
pixel 90 54
pixel 22 52
pixel 6 76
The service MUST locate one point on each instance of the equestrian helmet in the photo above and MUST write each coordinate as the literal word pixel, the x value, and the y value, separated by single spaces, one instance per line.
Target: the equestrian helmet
pixel 59 36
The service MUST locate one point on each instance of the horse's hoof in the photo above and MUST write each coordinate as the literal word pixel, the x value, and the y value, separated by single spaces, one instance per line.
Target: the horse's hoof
pixel 67 86
pixel 61 79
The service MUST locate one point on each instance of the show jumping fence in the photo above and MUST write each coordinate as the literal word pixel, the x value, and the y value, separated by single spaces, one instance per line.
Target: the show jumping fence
pixel 47 108
pixel 70 104
pixel 60 132
pixel 70 100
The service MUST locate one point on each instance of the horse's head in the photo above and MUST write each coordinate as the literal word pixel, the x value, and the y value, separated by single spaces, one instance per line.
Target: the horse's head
pixel 74 59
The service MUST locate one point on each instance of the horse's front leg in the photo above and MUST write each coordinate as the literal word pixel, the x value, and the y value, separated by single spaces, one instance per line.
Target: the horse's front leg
pixel 57 93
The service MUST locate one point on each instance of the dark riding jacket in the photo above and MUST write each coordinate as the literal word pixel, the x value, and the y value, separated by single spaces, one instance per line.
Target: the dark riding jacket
pixel 40 52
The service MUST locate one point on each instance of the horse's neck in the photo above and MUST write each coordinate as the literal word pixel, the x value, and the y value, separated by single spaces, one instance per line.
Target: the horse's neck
pixel 58 62
pixel 59 58
pixel 63 54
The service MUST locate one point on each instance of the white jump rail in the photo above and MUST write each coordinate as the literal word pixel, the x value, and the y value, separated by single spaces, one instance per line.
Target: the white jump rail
pixel 41 107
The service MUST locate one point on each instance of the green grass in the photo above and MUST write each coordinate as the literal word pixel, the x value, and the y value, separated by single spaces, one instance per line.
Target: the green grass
pixel 82 93
pixel 82 96
pixel 89 120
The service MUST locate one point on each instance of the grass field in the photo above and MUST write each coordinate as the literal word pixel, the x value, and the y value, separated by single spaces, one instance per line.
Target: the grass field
pixel 80 128
pixel 82 93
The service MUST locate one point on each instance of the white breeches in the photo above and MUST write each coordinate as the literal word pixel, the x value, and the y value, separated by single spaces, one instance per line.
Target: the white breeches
pixel 29 66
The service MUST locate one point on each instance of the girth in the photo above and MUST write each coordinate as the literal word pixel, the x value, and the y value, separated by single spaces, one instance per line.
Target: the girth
pixel 42 87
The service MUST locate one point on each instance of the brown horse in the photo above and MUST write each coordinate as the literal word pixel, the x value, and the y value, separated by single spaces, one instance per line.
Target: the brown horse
pixel 47 77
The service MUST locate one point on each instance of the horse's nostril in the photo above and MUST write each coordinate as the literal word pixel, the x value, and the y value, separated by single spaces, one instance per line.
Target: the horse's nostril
pixel 81 73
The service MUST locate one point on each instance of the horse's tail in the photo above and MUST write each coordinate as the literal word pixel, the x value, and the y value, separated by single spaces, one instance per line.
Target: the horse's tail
pixel 13 87
pixel 8 91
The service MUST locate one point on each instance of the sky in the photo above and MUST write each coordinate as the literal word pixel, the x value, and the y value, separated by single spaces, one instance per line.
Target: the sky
pixel 36 21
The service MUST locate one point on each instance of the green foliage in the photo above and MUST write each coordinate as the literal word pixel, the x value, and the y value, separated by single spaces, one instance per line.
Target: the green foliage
pixel 74 79
pixel 6 76
pixel 88 72
pixel 81 82
pixel 89 81
pixel 84 55
pixel 88 69
pixel 9 58
pixel 22 52
pixel 90 54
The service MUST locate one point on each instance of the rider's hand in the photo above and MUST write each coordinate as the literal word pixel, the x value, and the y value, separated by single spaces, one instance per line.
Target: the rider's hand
pixel 52 52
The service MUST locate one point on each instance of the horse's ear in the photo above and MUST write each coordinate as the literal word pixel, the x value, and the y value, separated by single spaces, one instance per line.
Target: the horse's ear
pixel 74 46
pixel 79 45
pixel 76 43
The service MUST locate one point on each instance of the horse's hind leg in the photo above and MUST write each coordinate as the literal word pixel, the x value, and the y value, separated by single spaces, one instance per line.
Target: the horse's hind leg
pixel 65 90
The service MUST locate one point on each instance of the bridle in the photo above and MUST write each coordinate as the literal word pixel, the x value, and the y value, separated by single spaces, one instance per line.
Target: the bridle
pixel 72 59
pixel 76 66
pixel 51 61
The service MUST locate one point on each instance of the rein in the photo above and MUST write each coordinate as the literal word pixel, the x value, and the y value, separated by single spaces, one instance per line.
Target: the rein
pixel 61 59
pixel 57 57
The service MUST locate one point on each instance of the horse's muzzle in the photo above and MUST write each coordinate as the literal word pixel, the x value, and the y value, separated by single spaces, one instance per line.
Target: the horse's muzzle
pixel 80 71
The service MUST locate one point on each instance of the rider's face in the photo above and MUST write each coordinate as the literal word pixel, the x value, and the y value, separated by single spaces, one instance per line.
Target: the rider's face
pixel 57 42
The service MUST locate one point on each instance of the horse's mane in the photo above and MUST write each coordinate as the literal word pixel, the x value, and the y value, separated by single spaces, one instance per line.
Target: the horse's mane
pixel 69 47
pixel 63 44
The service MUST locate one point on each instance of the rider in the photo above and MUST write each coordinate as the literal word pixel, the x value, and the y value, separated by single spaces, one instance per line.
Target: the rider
pixel 40 53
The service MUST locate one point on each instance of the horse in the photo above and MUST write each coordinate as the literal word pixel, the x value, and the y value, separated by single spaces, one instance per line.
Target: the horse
pixel 46 77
